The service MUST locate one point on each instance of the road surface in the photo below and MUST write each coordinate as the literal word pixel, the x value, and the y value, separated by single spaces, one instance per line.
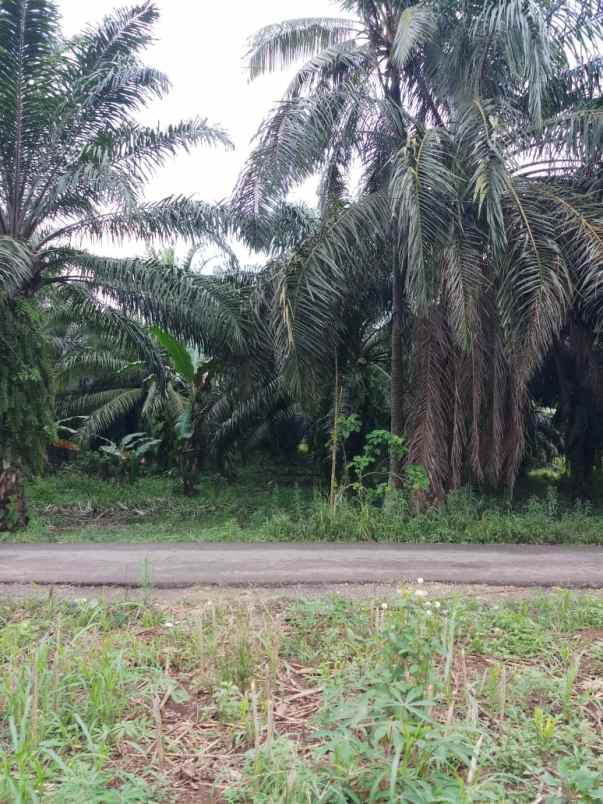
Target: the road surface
pixel 175 566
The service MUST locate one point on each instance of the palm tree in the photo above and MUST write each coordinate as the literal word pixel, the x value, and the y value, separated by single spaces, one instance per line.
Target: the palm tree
pixel 73 166
pixel 206 396
pixel 330 371
pixel 470 122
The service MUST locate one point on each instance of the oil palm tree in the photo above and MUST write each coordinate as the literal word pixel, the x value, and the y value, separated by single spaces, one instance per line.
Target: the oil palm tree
pixel 470 122
pixel 73 166
pixel 205 394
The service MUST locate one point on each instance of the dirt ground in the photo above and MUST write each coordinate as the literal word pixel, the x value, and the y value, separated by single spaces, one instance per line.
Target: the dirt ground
pixel 199 595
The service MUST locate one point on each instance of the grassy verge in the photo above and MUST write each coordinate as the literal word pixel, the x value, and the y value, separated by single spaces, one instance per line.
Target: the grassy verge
pixel 408 699
pixel 76 507
pixel 284 506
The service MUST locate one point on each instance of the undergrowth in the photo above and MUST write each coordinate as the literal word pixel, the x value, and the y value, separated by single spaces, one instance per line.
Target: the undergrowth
pixel 465 518
pixel 285 506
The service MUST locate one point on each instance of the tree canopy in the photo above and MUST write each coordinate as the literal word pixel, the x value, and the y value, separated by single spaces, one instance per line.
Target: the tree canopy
pixel 447 285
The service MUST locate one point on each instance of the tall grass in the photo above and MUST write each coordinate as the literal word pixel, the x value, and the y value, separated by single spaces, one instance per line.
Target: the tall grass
pixel 465 518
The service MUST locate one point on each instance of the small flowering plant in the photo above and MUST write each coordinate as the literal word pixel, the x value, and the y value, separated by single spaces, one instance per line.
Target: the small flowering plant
pixel 413 635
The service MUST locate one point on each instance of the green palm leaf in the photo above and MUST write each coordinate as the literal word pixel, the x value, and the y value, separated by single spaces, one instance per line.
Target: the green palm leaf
pixel 416 25
pixel 277 46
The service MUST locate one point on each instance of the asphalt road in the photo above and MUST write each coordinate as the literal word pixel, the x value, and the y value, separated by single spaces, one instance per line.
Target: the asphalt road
pixel 174 566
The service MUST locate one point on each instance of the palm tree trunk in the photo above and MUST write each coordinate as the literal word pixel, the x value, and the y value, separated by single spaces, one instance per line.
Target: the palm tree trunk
pixel 13 509
pixel 394 94
pixel 335 438
pixel 397 384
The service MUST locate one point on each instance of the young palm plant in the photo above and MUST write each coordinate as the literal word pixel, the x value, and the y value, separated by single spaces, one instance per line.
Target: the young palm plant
pixel 73 166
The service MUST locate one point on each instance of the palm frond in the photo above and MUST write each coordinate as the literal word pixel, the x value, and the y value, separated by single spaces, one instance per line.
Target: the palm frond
pixel 536 288
pixel 142 149
pixel 105 414
pixel 120 34
pixel 232 421
pixel 463 282
pixel 87 361
pixel 119 326
pixel 332 67
pixel 151 222
pixel 425 202
pixel 310 288
pixel 485 163
pixel 204 310
pixel 520 31
pixel 416 25
pixel 16 266
pixel 277 46
pixel 578 228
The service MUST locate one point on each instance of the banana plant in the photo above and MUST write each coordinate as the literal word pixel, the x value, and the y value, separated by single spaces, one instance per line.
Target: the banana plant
pixel 129 453
pixel 196 400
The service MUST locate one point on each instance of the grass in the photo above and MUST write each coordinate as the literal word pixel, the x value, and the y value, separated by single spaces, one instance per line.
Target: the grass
pixel 270 503
pixel 72 507
pixel 330 700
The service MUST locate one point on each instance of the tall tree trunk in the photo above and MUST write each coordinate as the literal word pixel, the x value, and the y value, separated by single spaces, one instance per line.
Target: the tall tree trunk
pixel 335 438
pixel 13 510
pixel 580 411
pixel 190 473
pixel 397 386
pixel 393 92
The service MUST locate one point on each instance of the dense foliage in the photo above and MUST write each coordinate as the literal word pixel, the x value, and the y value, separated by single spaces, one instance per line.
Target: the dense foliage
pixel 444 295
pixel 73 165
pixel 26 404
pixel 476 128
pixel 26 386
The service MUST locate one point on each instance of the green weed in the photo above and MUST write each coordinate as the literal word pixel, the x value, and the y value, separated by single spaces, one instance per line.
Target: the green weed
pixel 417 700
pixel 407 716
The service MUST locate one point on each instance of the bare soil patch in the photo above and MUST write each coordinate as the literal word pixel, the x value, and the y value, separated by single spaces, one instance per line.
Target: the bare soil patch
pixel 201 595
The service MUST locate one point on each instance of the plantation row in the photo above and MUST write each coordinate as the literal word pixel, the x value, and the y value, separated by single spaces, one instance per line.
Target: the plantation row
pixel 430 323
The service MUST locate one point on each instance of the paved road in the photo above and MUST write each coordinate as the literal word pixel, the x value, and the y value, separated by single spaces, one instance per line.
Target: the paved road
pixel 173 566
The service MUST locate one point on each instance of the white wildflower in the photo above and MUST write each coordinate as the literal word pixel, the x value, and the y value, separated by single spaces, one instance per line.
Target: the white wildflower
pixel 384 606
pixel 420 580
pixel 168 625
pixel 437 604
pixel 420 593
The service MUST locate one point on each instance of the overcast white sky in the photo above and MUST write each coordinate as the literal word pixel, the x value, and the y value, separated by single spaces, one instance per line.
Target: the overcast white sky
pixel 200 46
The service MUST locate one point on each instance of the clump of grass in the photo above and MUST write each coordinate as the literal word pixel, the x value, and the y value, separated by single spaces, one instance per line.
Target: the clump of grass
pixel 66 685
pixel 84 685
